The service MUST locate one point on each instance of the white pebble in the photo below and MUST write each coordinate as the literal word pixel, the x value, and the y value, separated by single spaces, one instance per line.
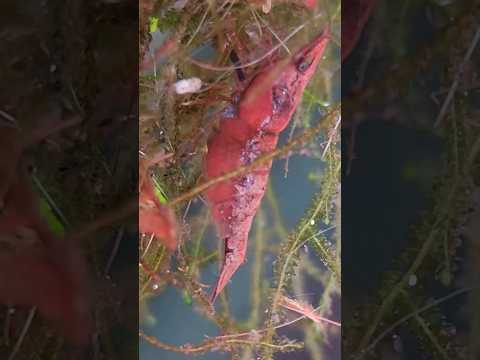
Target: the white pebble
pixel 187 86
pixel 179 4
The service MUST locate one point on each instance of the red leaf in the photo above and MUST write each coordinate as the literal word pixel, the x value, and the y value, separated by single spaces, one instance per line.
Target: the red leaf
pixel 37 269
pixel 154 217
pixel 355 14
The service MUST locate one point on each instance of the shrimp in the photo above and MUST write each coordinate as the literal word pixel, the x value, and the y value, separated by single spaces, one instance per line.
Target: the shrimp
pixel 249 127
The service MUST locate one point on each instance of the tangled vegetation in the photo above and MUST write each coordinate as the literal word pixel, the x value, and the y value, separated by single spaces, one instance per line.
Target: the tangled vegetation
pixel 195 42
pixel 399 315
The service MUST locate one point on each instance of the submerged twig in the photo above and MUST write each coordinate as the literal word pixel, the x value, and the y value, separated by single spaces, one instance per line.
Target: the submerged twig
pixel 124 211
pixel 26 327
pixel 456 81
pixel 214 344
pixel 116 245
pixel 405 318
pixel 258 60
pixel 300 140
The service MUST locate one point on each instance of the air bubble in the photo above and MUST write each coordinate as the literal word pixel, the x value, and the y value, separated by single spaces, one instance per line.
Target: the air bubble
pixel 229 112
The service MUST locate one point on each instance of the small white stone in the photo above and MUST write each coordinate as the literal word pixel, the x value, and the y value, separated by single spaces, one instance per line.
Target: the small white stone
pixel 187 86
pixel 412 280
pixel 267 6
pixel 179 4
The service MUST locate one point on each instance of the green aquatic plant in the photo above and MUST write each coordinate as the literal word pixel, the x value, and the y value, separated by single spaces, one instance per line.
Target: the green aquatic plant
pixel 433 254
pixel 172 122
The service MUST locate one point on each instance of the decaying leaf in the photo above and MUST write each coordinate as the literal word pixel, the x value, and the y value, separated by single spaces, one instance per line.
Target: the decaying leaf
pixel 39 269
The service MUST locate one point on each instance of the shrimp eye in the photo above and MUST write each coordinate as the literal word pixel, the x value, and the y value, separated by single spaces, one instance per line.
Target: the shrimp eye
pixel 303 64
